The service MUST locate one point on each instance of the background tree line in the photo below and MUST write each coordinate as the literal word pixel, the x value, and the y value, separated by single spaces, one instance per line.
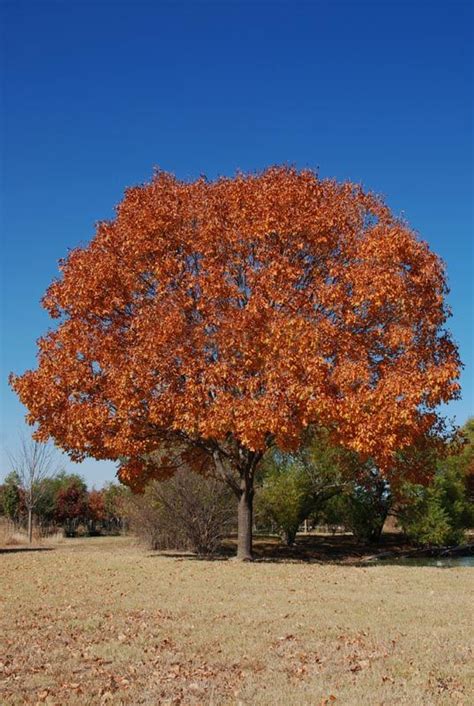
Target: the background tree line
pixel 63 501
pixel 320 485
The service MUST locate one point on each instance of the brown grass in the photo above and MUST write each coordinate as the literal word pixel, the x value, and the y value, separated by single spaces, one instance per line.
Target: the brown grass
pixel 8 534
pixel 99 621
pixel 13 536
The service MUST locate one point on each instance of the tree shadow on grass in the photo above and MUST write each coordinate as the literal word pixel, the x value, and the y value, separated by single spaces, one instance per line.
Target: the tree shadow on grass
pixel 18 548
pixel 311 548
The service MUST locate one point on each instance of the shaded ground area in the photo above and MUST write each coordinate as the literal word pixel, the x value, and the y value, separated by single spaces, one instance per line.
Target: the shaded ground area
pixel 311 547
pixel 328 548
pixel 101 621
pixel 24 548
pixel 322 548
pixel 344 548
pixel 340 548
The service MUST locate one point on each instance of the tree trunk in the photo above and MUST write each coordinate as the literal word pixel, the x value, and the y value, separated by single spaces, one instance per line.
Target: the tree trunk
pixel 289 536
pixel 245 512
pixel 30 525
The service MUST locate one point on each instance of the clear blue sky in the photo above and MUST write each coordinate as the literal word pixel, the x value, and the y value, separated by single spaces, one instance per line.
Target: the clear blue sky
pixel 96 94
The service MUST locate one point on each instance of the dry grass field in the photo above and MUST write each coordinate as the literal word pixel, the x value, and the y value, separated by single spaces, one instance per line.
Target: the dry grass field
pixel 101 621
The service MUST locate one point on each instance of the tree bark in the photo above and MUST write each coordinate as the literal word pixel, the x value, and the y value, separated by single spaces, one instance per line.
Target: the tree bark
pixel 236 467
pixel 30 525
pixel 245 517
pixel 289 537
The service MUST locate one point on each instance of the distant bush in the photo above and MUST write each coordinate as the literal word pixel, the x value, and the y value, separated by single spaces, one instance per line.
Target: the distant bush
pixel 186 512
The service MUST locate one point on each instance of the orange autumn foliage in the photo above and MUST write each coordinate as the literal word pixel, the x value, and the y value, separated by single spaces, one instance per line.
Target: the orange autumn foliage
pixel 236 313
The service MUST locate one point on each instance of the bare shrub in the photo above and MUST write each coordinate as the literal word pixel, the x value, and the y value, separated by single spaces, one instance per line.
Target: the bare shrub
pixel 32 464
pixel 186 512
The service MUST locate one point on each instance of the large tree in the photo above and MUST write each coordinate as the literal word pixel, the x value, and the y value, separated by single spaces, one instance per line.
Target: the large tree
pixel 209 321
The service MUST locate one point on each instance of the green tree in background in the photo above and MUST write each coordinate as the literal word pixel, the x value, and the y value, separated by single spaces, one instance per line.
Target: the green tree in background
pixel 367 505
pixel 10 497
pixel 285 499
pixel 295 486
pixel 440 513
